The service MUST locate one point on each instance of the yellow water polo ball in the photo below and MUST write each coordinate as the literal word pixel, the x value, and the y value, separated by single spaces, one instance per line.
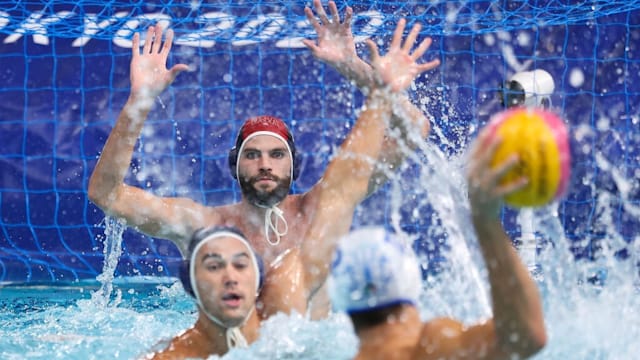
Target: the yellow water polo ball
pixel 540 139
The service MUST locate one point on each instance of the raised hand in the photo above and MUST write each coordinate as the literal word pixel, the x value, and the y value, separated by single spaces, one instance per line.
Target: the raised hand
pixel 149 74
pixel 335 43
pixel 485 191
pixel 399 67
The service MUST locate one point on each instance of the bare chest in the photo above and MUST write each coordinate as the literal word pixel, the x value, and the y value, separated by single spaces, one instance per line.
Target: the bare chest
pixel 264 240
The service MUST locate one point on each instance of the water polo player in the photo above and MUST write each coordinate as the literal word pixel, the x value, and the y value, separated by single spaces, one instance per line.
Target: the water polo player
pixel 224 275
pixel 263 165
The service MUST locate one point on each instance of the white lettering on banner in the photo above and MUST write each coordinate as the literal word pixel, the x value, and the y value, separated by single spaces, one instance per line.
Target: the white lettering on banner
pixel 375 21
pixel 4 19
pixel 92 26
pixel 255 30
pixel 38 27
pixel 296 41
pixel 123 35
pixel 220 21
pixel 274 24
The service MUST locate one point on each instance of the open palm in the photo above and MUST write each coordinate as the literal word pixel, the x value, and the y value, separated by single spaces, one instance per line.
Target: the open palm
pixel 335 42
pixel 399 67
pixel 149 74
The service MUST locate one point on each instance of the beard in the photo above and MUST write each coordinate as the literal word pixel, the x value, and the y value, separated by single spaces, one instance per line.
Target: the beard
pixel 264 198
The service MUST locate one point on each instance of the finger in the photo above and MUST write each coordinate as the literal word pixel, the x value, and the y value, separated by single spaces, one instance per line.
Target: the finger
pixel 424 45
pixel 168 42
pixel 478 155
pixel 321 13
pixel 472 169
pixel 157 40
pixel 135 45
pixel 177 69
pixel 334 12
pixel 311 45
pixel 429 66
pixel 478 143
pixel 312 18
pixel 483 151
pixel 147 41
pixel 373 49
pixel 497 173
pixel 512 187
pixel 397 35
pixel 488 149
pixel 411 38
pixel 348 16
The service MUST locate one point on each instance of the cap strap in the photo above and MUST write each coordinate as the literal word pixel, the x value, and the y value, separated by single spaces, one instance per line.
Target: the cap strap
pixel 235 338
pixel 270 224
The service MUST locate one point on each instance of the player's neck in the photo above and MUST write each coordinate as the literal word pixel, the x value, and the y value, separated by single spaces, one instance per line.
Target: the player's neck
pixel 214 334
pixel 253 209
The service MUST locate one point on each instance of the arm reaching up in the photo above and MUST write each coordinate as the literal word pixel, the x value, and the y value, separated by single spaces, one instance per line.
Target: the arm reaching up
pixel 155 216
pixel 517 327
pixel 336 47
pixel 347 178
pixel 517 308
pixel 336 44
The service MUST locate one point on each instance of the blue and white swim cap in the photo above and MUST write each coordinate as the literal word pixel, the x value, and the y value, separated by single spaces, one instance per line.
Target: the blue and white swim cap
pixel 373 269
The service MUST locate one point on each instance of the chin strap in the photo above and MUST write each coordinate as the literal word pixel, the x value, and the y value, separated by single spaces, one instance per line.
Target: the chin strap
pixel 270 224
pixel 235 338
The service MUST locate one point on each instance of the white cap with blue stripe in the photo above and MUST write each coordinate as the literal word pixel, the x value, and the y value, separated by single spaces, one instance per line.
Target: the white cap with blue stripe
pixel 373 269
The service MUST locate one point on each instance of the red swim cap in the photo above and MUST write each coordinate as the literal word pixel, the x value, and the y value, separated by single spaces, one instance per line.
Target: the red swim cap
pixel 263 123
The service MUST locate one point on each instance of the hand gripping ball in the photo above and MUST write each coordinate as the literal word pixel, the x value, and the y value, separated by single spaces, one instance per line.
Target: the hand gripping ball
pixel 540 139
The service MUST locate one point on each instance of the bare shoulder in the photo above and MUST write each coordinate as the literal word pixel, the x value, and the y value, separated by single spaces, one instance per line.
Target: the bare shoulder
pixel 188 344
pixel 450 339
pixel 439 338
pixel 442 327
pixel 224 211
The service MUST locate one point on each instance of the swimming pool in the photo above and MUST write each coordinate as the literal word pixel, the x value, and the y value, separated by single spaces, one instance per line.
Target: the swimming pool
pixel 587 321
pixel 64 322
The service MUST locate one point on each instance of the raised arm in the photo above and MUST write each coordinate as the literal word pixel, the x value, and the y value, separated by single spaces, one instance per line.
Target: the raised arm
pixel 156 216
pixel 347 177
pixel 517 328
pixel 335 45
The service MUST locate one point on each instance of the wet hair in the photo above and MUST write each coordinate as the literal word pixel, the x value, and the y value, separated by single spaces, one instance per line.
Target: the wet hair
pixel 369 318
pixel 202 234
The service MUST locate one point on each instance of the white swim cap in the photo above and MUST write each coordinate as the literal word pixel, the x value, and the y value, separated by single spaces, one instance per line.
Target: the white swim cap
pixel 373 269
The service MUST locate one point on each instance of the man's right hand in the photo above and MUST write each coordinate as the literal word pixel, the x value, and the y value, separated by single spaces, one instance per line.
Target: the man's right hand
pixel 149 74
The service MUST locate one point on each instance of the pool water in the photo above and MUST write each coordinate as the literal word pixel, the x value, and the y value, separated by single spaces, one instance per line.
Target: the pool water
pixel 45 322
pixel 65 322
pixel 586 321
